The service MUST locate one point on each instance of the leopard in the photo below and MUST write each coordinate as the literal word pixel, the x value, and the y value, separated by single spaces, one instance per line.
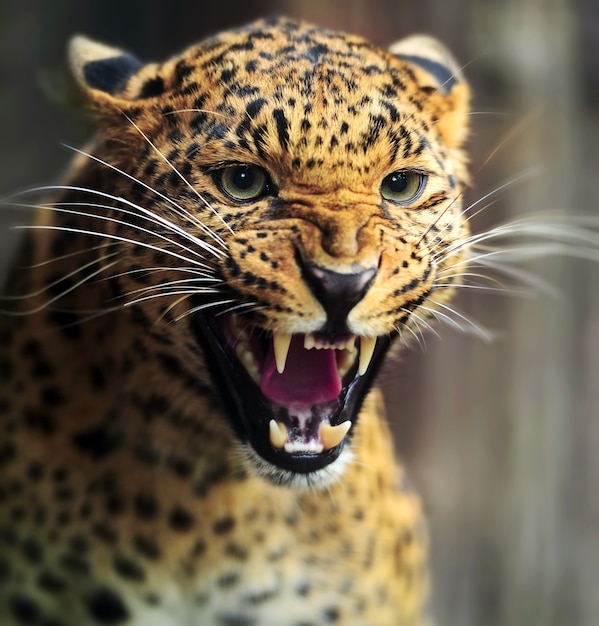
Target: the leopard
pixel 193 327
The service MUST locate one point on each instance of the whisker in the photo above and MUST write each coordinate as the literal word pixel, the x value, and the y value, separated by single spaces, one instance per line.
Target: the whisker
pixel 155 270
pixel 62 257
pixel 181 211
pixel 189 185
pixel 202 307
pixel 83 231
pixel 478 330
pixel 170 294
pixel 49 286
pixel 515 131
pixel 58 209
pixel 165 287
pixel 72 287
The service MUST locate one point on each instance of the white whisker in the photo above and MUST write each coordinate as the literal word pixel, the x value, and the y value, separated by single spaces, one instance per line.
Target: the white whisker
pixel 479 331
pixel 58 209
pixel 181 211
pixel 189 185
pixel 72 287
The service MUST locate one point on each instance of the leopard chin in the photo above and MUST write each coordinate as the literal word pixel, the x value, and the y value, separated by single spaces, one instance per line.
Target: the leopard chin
pixel 292 399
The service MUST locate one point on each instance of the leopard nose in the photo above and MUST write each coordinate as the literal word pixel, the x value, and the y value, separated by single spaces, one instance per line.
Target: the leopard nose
pixel 338 292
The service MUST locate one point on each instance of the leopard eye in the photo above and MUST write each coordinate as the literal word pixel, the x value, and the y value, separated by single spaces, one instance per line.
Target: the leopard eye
pixel 243 182
pixel 403 187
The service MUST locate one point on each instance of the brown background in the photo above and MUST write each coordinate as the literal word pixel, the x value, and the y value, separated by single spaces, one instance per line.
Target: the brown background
pixel 501 438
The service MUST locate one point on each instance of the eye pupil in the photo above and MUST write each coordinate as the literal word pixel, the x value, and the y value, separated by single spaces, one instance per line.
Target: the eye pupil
pixel 243 178
pixel 397 182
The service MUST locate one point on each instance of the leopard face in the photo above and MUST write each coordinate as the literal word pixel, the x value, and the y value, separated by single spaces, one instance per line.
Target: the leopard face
pixel 289 198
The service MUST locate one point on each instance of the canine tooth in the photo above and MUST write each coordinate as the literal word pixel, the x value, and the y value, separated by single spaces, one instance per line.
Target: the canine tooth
pixel 278 434
pixel 281 343
pixel 367 345
pixel 332 436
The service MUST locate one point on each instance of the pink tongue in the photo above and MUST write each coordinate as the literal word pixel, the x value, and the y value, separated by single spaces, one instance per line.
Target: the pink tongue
pixel 310 376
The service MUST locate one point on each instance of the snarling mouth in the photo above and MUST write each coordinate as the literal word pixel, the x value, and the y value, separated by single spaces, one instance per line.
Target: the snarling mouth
pixel 293 397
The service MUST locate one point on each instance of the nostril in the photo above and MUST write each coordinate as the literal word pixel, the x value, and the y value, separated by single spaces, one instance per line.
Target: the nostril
pixel 338 293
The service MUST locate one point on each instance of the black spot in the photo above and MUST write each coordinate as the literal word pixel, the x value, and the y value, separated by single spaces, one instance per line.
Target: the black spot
pixel 227 75
pixel 182 70
pixel 4 572
pixel 74 563
pixel 47 581
pixel 145 506
pixel 128 569
pixel 152 87
pixel 31 348
pixel 97 377
pixel 104 532
pixel 282 127
pixel 260 597
pixel 18 513
pixel 180 520
pixel 152 599
pixel 180 466
pixel 79 544
pixel 331 615
pixel 146 547
pixel 8 452
pixel 60 474
pixel 304 589
pixel 98 441
pixel 175 136
pixel 223 525
pixel 107 607
pixel 237 552
pixel 146 454
pixel 32 550
pixel 24 609
pixel 40 420
pixel 67 322
pixel 42 369
pixel 114 504
pixel 111 75
pixel 198 549
pixel 228 580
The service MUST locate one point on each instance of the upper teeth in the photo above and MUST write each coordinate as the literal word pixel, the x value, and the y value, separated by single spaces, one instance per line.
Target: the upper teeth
pixel 282 341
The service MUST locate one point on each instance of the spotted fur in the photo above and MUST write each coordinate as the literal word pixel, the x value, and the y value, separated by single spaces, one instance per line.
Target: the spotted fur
pixel 131 491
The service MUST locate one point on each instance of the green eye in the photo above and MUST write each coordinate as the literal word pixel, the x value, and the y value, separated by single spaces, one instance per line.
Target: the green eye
pixel 243 182
pixel 403 186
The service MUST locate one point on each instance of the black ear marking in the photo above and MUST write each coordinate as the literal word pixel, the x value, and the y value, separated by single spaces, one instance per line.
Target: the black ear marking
pixel 101 68
pixel 111 75
pixel 426 53
pixel 445 77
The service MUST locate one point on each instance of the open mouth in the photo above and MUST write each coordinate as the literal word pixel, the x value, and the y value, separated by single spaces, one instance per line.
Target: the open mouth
pixel 293 397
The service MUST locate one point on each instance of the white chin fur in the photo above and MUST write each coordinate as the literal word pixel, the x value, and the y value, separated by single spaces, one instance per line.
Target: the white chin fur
pixel 320 479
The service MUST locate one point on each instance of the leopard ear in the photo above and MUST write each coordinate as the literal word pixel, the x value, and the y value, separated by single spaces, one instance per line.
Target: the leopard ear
pixel 440 77
pixel 102 72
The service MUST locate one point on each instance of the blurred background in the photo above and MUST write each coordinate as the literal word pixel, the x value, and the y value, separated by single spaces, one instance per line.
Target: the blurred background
pixel 501 437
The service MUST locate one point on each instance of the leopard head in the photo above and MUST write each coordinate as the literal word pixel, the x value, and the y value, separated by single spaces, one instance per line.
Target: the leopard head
pixel 301 189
